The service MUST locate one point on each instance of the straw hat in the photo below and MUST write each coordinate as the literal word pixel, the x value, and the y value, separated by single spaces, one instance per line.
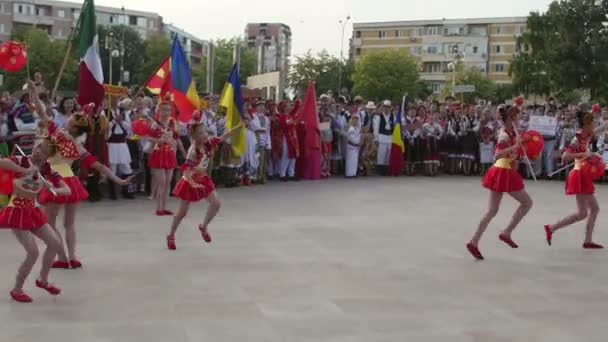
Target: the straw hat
pixel 370 105
pixel 387 103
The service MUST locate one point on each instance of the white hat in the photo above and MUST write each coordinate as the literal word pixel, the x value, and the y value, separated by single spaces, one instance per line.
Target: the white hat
pixel 387 103
pixel 125 103
pixel 370 105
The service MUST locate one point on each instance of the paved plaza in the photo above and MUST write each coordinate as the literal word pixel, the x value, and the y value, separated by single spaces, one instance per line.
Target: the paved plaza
pixel 367 260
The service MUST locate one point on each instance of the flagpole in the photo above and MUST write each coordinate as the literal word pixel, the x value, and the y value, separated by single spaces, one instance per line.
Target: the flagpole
pixel 67 54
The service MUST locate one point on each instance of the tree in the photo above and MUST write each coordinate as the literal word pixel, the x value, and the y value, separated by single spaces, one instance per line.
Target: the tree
pixel 223 62
pixel 484 87
pixel 157 48
pixel 565 48
pixel 503 92
pixel 45 56
pixel 387 74
pixel 323 68
pixel 133 57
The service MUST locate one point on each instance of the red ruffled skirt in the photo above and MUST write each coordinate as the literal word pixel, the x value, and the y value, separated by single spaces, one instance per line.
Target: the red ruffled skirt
pixel 22 216
pixel 163 157
pixel 186 192
pixel 79 193
pixel 499 179
pixel 579 182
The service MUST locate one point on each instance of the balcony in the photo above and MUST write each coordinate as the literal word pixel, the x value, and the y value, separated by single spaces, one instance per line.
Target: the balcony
pixel 33 20
pixel 433 76
pixel 356 42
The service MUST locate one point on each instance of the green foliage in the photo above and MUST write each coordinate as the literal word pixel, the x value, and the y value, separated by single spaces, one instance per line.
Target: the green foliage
pixel 324 69
pixel 157 48
pixel 503 92
pixel 565 48
pixel 387 74
pixel 45 56
pixel 223 62
pixel 484 87
pixel 133 57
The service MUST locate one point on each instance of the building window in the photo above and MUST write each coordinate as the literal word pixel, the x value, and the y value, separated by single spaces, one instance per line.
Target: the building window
pixel 76 14
pixel 461 30
pixel 111 19
pixel 142 22
pixel 358 34
pixel 40 11
pixel 475 49
pixel 358 52
pixel 522 29
pixel 60 33
pixel 2 7
pixel 498 49
pixel 500 68
pixel 61 13
pixel 381 34
pixel 414 50
pixel 2 28
pixel 132 20
pixel 498 30
pixel 20 9
pixel 435 87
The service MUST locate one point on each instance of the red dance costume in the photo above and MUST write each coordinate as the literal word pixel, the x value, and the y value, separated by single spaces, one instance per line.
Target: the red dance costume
pixel 61 163
pixel 579 181
pixel 164 154
pixel 21 213
pixel 198 162
pixel 503 175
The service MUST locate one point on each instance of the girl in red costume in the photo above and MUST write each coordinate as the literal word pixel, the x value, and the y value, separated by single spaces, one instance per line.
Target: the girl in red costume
pixel 580 183
pixel 69 149
pixel 163 158
pixel 195 183
pixel 28 221
pixel 503 178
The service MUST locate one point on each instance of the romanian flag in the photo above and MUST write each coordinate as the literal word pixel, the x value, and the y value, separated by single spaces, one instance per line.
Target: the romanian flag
pixel 183 88
pixel 160 81
pixel 232 101
pixel 395 162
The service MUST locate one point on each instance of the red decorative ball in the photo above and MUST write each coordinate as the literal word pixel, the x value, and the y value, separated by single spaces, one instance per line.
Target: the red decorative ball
pixel 519 101
pixel 533 143
pixel 595 166
pixel 12 56
pixel 596 108
pixel 141 127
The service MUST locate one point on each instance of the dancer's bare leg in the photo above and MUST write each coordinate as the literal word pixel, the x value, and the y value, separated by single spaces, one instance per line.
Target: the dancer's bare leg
pixel 31 249
pixel 69 222
pixel 52 211
pixel 168 178
pixel 525 204
pixel 158 187
pixel 214 207
pixel 493 205
pixel 580 215
pixel 594 209
pixel 46 234
pixel 182 211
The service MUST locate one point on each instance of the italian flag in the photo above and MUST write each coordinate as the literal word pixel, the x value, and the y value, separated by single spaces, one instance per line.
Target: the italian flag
pixel 90 83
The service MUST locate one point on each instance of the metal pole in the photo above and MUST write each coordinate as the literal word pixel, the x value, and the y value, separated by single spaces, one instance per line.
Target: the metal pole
pixel 210 68
pixel 110 53
pixel 236 57
pixel 122 50
pixel 342 55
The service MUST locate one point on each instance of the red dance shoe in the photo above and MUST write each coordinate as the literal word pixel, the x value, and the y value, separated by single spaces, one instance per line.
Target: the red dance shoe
pixel 20 297
pixel 171 242
pixel 205 233
pixel 549 234
pixel 164 213
pixel 75 264
pixel 508 241
pixel 48 287
pixel 61 264
pixel 474 251
pixel 592 245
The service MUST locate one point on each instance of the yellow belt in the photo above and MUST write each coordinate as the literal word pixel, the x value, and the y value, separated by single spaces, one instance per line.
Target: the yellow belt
pixel 64 170
pixel 503 163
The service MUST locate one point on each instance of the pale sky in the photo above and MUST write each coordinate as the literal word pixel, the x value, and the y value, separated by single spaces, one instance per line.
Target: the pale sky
pixel 315 23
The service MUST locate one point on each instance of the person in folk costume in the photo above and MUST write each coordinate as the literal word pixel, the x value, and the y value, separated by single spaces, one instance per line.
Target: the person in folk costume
pixel 250 159
pixel 602 141
pixel 567 132
pixel 119 154
pixel 383 126
pixel 452 142
pixel 26 220
pixel 443 146
pixel 290 147
pixel 276 141
pixel 70 148
pixel 343 123
pixel 97 145
pixel 338 130
pixel 260 123
pixel 353 139
pixel 487 129
pixel 411 136
pixel 163 157
pixel 503 178
pixel 580 183
pixel 229 161
pixel 195 183
pixel 431 135
pixel 326 140
pixel 468 142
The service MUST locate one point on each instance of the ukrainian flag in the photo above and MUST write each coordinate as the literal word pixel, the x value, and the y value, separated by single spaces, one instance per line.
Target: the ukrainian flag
pixel 183 87
pixel 232 101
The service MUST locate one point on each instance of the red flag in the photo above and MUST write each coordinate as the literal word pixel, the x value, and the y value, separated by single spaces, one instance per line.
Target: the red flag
pixel 310 117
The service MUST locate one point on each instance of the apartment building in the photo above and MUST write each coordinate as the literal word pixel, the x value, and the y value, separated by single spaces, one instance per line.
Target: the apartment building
pixel 59 17
pixel 196 49
pixel 487 44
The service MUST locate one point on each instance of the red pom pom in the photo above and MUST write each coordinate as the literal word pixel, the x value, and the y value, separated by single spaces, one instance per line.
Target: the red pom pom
pixel 141 127
pixel 89 109
pixel 533 143
pixel 595 166
pixel 519 101
pixel 596 108
pixel 12 56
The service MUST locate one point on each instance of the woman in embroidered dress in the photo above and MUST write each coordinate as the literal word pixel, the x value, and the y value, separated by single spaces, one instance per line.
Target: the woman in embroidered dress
pixel 69 149
pixel 163 158
pixel 580 183
pixel 195 184
pixel 503 178
pixel 26 220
